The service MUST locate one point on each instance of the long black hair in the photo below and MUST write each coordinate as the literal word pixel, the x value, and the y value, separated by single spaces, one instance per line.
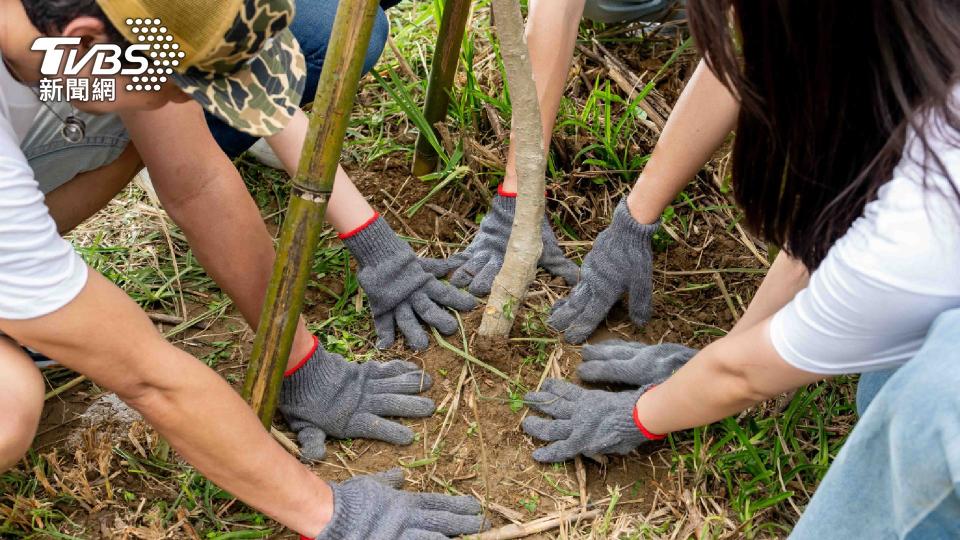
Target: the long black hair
pixel 829 91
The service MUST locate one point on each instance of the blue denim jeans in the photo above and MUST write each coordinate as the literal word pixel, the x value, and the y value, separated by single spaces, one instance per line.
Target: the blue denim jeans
pixel 898 475
pixel 312 27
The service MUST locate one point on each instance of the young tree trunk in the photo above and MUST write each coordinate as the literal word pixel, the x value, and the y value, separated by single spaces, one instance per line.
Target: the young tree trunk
pixel 312 186
pixel 526 244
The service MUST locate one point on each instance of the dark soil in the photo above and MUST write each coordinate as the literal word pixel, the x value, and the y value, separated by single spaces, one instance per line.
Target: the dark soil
pixel 482 450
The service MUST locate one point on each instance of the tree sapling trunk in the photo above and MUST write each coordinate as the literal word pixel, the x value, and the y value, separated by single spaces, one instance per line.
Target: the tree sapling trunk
pixel 526 244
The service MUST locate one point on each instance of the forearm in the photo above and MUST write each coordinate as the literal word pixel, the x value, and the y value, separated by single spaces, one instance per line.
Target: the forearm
pixel 208 200
pixel 348 209
pixel 728 376
pixel 552 27
pixel 227 236
pixel 785 278
pixel 105 336
pixel 701 119
pixel 734 372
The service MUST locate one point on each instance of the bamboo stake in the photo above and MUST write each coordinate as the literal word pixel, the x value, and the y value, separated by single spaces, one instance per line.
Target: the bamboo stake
pixel 312 186
pixel 525 244
pixel 443 69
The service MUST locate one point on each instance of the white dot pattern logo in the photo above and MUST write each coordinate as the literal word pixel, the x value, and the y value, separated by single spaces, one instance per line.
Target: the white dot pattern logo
pixel 164 54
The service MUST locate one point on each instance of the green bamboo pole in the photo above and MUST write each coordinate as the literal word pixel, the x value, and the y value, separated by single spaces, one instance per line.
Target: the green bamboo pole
pixel 312 186
pixel 446 56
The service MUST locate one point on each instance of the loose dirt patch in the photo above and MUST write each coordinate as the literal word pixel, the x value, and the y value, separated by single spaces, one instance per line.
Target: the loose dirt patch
pixel 474 445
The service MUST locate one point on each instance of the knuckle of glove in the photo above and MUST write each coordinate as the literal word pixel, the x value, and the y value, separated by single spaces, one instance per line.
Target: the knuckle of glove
pixel 387 286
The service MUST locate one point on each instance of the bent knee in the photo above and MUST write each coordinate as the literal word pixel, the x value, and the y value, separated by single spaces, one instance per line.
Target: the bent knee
pixel 16 436
pixel 18 428
pixel 937 364
pixel 946 328
pixel 21 403
pixel 925 388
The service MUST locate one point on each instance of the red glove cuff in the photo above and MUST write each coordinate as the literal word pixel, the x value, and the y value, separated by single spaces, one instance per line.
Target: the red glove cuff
pixel 358 230
pixel 504 193
pixel 301 363
pixel 646 433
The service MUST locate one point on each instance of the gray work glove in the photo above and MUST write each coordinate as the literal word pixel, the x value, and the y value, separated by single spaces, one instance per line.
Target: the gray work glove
pixel 330 397
pixel 401 293
pixel 621 261
pixel 476 267
pixel 374 508
pixel 636 364
pixel 584 422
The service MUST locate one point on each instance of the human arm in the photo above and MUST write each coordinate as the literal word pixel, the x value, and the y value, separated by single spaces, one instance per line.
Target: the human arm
pixel 851 315
pixel 730 375
pixel 401 293
pixel 347 210
pixel 209 201
pixel 621 259
pixel 784 279
pixel 551 33
pixel 704 114
pixel 105 336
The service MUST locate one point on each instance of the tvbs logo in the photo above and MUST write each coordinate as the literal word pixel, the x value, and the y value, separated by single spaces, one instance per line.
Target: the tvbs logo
pixel 149 61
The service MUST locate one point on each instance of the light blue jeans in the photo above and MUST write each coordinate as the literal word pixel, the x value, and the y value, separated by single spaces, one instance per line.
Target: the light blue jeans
pixel 898 475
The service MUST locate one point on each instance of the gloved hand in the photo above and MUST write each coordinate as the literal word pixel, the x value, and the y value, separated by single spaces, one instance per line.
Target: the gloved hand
pixel 328 396
pixel 374 508
pixel 621 261
pixel 400 291
pixel 627 362
pixel 478 265
pixel 584 422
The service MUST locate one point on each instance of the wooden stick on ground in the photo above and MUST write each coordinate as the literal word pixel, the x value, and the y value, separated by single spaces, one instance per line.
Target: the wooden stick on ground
pixel 285 442
pixel 726 296
pixel 63 388
pixel 526 244
pixel 508 532
pixel 308 203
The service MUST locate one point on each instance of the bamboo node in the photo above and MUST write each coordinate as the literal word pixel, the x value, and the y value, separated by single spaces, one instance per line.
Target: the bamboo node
pixel 310 194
